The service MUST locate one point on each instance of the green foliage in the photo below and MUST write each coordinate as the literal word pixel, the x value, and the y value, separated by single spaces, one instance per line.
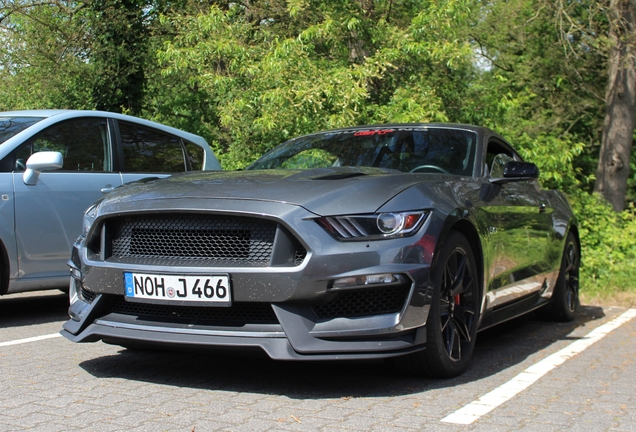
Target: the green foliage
pixel 607 244
pixel 41 60
pixel 542 88
pixel 63 54
pixel 347 64
pixel 117 54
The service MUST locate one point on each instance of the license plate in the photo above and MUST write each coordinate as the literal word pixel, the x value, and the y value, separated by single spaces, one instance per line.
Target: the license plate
pixel 208 289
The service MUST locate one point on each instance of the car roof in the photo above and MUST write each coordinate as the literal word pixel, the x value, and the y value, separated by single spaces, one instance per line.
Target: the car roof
pixel 33 113
pixel 52 116
pixel 59 114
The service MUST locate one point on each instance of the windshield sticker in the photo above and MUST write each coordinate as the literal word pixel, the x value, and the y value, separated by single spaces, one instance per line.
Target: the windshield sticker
pixel 374 132
pixel 369 132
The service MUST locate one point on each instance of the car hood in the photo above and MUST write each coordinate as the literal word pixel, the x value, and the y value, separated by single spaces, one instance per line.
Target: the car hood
pixel 323 191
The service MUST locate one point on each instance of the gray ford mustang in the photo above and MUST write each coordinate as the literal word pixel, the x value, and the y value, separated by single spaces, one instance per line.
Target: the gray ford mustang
pixel 392 241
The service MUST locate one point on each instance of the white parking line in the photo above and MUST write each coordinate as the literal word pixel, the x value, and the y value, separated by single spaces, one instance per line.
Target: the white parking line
pixel 488 402
pixel 31 339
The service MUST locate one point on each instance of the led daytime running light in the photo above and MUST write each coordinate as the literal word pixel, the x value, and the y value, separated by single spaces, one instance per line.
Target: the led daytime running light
pixel 377 279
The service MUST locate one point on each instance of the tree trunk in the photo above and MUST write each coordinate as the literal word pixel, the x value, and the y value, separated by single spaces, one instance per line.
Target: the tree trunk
pixel 620 95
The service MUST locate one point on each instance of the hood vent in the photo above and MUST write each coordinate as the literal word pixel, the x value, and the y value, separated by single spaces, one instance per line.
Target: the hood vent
pixel 340 176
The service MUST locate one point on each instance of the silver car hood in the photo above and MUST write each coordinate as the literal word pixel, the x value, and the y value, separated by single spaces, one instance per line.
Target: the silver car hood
pixel 323 191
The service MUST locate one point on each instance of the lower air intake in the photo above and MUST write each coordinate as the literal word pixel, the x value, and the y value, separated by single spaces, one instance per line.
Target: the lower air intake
pixel 364 302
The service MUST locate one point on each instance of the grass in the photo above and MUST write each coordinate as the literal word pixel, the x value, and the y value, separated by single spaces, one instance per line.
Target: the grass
pixel 609 298
pixel 617 290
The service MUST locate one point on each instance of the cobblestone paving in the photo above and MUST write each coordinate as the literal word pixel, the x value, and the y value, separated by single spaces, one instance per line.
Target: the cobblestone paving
pixel 54 385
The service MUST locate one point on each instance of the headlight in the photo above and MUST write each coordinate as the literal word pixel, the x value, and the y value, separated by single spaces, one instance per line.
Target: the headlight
pixel 89 217
pixel 374 226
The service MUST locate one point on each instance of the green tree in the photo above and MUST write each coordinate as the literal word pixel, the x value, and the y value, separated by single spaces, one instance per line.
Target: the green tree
pixel 543 93
pixel 117 53
pixel 620 106
pixel 68 54
pixel 275 69
pixel 42 55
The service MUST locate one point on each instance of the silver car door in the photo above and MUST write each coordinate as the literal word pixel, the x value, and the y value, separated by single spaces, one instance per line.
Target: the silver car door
pixel 48 215
pixel 7 228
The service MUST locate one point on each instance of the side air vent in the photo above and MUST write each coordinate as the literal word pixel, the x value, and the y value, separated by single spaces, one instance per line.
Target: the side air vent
pixel 364 302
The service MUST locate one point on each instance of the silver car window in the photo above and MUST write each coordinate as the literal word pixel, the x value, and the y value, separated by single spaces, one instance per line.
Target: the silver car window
pixel 10 126
pixel 84 143
pixel 149 150
pixel 195 155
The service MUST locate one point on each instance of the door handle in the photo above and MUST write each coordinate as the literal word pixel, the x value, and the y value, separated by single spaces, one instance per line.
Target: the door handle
pixel 542 208
pixel 107 188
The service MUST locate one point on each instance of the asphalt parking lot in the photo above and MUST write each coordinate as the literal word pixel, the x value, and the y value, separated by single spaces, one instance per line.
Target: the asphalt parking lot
pixel 48 383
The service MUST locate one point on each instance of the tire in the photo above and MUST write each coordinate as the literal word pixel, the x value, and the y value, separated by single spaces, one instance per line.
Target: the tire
pixel 565 298
pixel 451 327
pixel 4 270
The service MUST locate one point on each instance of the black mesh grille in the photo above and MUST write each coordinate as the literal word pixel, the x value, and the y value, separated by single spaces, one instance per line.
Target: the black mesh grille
pixel 87 295
pixel 218 240
pixel 364 302
pixel 299 255
pixel 261 313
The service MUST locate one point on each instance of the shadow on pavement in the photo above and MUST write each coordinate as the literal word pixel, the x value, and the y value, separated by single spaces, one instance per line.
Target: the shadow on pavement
pixel 33 308
pixel 497 349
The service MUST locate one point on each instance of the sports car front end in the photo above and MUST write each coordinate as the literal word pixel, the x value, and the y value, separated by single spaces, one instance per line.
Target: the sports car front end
pixel 360 243
pixel 345 276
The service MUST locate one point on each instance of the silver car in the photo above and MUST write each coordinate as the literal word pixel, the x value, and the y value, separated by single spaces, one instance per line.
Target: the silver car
pixel 55 163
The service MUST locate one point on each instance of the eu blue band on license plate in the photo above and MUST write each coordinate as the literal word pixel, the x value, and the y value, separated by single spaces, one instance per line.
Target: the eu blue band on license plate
pixel 200 288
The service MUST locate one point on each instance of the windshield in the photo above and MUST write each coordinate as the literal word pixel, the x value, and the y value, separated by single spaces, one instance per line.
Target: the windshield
pixel 10 126
pixel 407 149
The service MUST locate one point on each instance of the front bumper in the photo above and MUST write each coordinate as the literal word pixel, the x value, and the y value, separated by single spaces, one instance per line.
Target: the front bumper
pixel 287 326
pixel 297 343
pixel 296 334
pixel 278 348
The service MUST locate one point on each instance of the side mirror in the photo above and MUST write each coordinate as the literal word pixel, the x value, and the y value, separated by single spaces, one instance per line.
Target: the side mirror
pixel 41 161
pixel 521 169
pixel 517 171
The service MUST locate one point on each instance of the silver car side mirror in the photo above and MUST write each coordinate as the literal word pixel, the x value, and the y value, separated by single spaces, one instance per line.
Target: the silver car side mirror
pixel 41 161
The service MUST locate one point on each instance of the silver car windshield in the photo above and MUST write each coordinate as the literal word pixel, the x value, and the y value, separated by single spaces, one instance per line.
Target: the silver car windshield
pixel 412 149
pixel 10 126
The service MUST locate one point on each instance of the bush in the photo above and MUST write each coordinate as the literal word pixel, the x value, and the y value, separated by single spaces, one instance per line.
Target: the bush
pixel 608 249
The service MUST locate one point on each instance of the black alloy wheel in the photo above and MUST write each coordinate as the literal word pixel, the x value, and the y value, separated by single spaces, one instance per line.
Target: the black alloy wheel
pixel 571 275
pixel 451 327
pixel 565 298
pixel 456 304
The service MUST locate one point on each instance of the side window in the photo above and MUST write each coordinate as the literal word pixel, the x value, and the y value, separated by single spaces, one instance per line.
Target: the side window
pixel 498 163
pixel 84 143
pixel 195 155
pixel 149 150
pixel 496 158
pixel 21 155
